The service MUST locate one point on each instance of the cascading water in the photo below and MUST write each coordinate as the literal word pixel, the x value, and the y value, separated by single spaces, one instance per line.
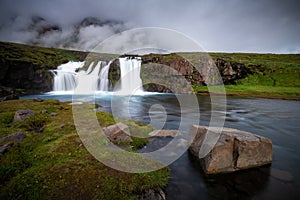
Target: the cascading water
pixel 87 83
pixel 130 76
pixel 65 76
pixel 103 84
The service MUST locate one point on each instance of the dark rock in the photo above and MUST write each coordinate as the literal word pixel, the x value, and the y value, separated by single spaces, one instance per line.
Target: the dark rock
pixel 61 126
pixel 21 115
pixel 4 147
pixel 234 150
pixel 169 73
pixel 11 140
pixel 118 133
pixel 5 91
pixel 152 194
pixel 37 100
pixel 44 111
pixel 17 137
pixel 231 71
pixel 10 97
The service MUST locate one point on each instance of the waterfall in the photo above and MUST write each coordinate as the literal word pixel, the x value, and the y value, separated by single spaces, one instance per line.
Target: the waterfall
pixel 65 76
pixel 88 82
pixel 130 82
pixel 95 78
pixel 103 84
pixel 90 68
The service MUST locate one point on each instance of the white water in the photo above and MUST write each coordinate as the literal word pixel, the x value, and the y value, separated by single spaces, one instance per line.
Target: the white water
pixel 130 82
pixel 103 78
pixel 87 82
pixel 89 70
pixel 65 76
pixel 66 79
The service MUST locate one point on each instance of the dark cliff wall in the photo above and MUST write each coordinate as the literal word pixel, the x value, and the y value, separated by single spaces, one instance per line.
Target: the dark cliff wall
pixel 25 69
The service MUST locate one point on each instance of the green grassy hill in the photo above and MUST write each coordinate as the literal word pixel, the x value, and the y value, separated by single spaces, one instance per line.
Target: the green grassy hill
pixel 270 75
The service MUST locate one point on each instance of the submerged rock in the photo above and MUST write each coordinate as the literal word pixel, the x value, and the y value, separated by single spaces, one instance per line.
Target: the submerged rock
pixel 234 150
pixel 21 115
pixel 164 133
pixel 118 133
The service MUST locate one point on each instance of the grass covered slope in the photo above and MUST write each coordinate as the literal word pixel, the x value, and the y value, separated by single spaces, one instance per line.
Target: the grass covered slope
pixel 271 75
pixel 282 70
pixel 53 163
pixel 48 58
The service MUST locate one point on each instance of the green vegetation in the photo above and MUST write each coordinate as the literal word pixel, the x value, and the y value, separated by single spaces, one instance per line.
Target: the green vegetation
pixel 288 93
pixel 48 58
pixel 52 163
pixel 271 75
pixel 282 70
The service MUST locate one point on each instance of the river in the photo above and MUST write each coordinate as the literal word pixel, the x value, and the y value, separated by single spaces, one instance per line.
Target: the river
pixel 278 120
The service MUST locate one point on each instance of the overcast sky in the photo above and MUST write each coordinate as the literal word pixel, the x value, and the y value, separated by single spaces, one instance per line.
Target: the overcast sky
pixel 217 25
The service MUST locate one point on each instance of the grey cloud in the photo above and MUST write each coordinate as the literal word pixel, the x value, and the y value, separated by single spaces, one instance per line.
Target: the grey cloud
pixel 218 25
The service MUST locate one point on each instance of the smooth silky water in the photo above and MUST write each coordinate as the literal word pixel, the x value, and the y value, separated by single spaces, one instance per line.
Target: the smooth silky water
pixel 278 120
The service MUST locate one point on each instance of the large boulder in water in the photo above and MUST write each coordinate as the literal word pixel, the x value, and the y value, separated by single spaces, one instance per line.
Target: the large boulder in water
pixel 234 150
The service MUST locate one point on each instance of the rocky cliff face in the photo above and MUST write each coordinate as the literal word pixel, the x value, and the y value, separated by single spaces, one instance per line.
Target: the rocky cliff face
pixel 195 73
pixel 19 77
pixel 231 72
pixel 25 69
pixel 169 73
